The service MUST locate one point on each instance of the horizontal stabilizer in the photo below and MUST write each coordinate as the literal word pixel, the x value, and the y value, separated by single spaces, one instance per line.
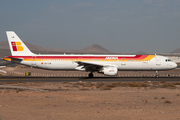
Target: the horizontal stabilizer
pixel 13 59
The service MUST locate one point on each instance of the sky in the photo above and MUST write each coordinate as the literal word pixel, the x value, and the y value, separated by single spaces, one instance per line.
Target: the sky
pixel 121 26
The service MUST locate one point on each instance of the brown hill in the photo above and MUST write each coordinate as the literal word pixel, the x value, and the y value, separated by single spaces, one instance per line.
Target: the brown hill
pixel 141 53
pixel 56 49
pixel 176 51
pixel 94 49
pixel 37 49
pixel 5 45
pixel 34 47
pixel 4 52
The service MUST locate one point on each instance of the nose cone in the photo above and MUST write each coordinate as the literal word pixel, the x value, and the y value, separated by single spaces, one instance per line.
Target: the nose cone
pixel 175 65
pixel 171 65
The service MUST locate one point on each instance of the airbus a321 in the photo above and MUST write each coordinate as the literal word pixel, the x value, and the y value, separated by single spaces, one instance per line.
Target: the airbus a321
pixel 105 64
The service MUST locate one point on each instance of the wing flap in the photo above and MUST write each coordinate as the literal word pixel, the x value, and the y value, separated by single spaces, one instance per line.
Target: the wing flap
pixel 87 66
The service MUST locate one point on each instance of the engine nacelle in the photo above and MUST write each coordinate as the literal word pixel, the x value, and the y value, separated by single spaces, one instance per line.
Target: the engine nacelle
pixel 110 71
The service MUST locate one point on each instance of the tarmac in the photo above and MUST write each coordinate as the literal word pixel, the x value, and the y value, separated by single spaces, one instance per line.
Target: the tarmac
pixel 17 74
pixel 86 79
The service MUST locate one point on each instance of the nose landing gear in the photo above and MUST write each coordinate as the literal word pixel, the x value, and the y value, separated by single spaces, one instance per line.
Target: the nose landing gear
pixel 157 75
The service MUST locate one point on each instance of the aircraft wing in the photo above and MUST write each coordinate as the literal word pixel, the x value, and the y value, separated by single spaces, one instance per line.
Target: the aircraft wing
pixel 87 66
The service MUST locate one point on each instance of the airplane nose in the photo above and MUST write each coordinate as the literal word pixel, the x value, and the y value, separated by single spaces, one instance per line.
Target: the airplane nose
pixel 172 65
pixel 175 65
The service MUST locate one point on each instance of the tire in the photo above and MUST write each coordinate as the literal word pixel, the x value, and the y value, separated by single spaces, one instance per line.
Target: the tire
pixel 91 75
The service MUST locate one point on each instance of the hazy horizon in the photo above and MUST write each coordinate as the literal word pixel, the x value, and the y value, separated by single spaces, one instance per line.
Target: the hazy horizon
pixel 120 26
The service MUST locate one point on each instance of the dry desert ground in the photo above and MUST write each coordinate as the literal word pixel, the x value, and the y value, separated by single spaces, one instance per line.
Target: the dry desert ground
pixel 90 100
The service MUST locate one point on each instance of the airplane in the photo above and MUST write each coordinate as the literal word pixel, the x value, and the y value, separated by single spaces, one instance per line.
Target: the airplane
pixel 106 64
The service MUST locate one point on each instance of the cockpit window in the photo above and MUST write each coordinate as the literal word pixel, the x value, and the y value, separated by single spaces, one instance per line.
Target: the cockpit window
pixel 168 60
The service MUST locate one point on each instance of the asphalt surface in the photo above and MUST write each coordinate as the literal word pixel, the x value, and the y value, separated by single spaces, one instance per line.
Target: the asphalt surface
pixel 86 79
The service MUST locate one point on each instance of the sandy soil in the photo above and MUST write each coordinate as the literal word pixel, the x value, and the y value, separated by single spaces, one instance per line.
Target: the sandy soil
pixel 90 101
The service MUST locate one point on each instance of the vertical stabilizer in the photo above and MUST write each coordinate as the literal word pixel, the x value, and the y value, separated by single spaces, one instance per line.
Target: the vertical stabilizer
pixel 17 47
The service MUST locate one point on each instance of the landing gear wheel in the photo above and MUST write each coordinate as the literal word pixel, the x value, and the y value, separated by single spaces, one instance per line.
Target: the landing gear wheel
pixel 91 75
pixel 157 75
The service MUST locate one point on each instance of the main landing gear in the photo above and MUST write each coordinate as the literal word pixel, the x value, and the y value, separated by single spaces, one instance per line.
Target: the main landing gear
pixel 91 75
pixel 157 75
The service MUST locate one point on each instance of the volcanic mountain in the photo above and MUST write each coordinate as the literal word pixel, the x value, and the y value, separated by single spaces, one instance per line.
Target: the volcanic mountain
pixel 141 53
pixel 176 51
pixel 92 49
pixel 5 45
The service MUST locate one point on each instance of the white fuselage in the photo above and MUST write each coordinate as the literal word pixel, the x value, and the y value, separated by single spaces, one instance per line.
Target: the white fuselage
pixel 157 63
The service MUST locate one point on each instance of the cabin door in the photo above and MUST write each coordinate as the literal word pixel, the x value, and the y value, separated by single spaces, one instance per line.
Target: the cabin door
pixel 33 61
pixel 123 61
pixel 158 61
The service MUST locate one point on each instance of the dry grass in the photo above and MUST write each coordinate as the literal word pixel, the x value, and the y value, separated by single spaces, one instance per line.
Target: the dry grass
pixel 99 85
pixel 112 85
pixel 117 84
pixel 88 84
pixel 168 85
pixel 106 88
pixel 77 85
pixel 137 84
pixel 1 83
pixel 163 98
pixel 155 98
pixel 177 83
pixel 20 81
pixel 11 82
pixel 84 89
pixel 167 101
pixel 155 83
pixel 19 90
pixel 65 82
pixel 145 101
pixel 162 81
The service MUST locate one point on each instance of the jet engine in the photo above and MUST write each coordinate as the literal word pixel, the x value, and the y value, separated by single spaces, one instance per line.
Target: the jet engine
pixel 110 71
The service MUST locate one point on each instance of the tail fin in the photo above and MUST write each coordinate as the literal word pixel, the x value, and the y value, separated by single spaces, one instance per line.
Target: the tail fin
pixel 17 47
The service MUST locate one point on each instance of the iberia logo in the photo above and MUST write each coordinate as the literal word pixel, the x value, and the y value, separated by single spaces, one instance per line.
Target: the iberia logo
pixel 17 46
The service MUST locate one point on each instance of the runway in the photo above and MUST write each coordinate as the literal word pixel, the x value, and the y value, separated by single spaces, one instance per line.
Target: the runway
pixel 86 79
